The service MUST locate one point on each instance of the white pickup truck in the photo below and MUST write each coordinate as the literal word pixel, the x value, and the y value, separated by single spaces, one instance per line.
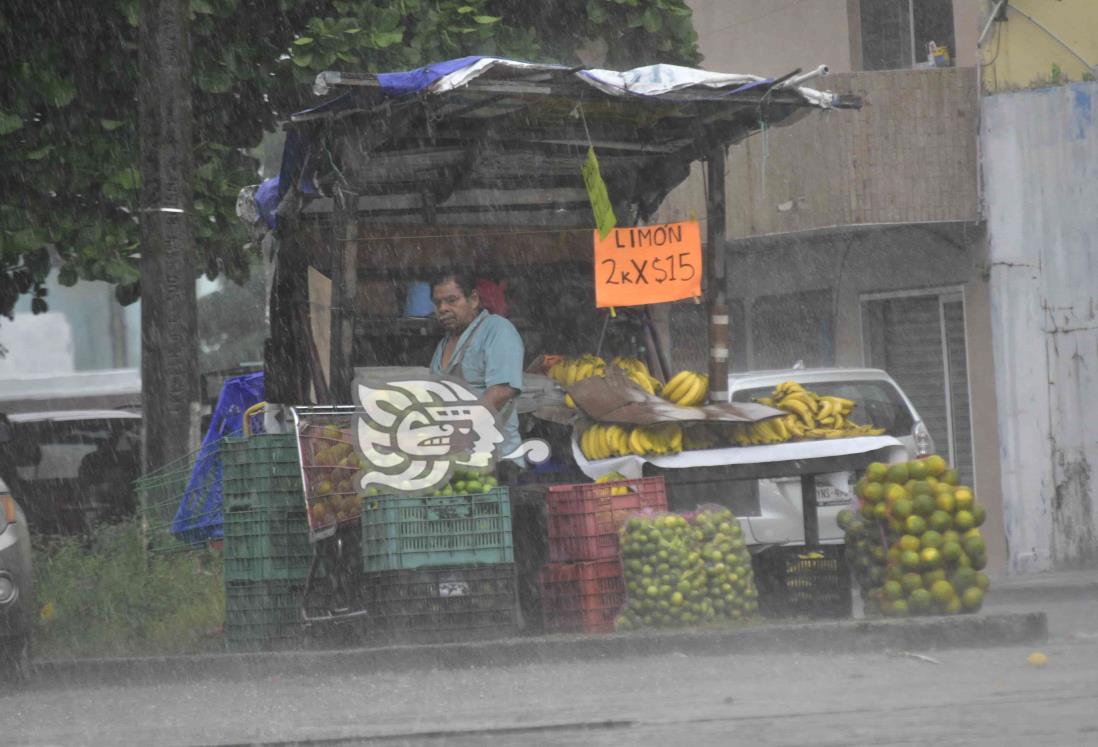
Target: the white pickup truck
pixel 770 510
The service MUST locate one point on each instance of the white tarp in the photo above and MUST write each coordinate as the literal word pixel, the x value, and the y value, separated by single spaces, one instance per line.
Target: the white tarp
pixel 632 466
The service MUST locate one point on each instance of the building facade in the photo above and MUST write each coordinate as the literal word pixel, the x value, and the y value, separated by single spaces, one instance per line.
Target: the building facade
pixel 884 239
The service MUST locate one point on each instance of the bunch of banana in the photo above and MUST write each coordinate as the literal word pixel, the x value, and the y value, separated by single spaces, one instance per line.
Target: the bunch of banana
pixel 602 441
pixel 655 440
pixel 699 436
pixel 772 431
pixel 630 364
pixel 812 416
pixel 686 388
pixel 614 477
pixel 570 370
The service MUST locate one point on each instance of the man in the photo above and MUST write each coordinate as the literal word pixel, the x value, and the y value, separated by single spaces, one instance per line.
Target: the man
pixel 480 348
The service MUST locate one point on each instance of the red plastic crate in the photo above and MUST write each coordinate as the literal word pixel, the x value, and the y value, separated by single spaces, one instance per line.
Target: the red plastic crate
pixel 582 597
pixel 584 519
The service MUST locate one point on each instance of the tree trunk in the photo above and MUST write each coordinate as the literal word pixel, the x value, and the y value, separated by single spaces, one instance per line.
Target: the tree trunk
pixel 169 358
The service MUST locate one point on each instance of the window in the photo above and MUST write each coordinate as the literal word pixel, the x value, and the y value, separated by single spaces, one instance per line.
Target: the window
pixel 876 402
pixel 895 34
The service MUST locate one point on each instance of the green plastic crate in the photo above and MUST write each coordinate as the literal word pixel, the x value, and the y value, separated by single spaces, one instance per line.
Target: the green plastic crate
pixel 263 615
pixel 402 533
pixel 267 544
pixel 262 471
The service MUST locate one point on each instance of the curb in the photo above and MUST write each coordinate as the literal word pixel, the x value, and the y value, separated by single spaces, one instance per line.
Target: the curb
pixel 1008 593
pixel 847 636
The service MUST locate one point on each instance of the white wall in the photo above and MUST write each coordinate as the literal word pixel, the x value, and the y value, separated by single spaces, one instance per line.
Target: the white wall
pixel 1040 154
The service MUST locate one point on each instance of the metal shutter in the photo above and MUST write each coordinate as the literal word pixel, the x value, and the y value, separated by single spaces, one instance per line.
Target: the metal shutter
pixel 954 315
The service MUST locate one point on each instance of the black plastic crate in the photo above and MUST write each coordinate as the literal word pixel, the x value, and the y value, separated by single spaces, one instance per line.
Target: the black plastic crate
pixel 803 582
pixel 443 603
pixel 269 615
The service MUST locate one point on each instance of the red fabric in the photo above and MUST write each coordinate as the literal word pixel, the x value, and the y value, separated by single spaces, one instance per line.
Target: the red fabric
pixel 492 296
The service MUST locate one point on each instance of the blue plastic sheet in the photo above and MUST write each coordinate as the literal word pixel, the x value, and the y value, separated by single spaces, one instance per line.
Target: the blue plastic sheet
pixel 199 517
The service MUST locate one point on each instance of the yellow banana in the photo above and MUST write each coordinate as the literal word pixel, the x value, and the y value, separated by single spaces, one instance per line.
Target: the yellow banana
pixel 569 402
pixel 778 426
pixel 673 384
pixel 794 426
pixel 825 410
pixel 800 408
pixel 690 396
pixel 804 397
pixel 642 381
pixel 585 443
pixel 636 443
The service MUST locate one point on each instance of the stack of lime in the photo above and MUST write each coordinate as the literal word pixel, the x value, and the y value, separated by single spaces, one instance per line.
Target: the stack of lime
pixel 915 543
pixel 467 482
pixel 681 572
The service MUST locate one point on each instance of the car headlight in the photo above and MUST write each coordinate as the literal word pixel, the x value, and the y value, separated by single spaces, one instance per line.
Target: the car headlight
pixel 8 589
pixel 924 444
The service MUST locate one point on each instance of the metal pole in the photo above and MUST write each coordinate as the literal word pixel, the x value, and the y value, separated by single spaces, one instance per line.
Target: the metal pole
pixel 715 288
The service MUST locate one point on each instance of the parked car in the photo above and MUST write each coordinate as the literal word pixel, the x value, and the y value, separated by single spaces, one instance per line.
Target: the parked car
pixel 770 510
pixel 71 469
pixel 879 400
pixel 17 603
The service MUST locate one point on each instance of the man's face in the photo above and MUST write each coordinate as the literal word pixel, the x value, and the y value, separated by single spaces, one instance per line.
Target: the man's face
pixel 453 308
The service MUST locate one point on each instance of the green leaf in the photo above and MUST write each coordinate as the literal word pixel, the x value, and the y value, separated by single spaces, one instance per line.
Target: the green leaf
pixel 303 60
pixel 67 276
pixel 485 20
pixel 385 39
pixel 9 123
pixel 302 41
pixel 652 21
pixel 60 92
pixel 39 153
pixel 202 7
pixel 110 125
pixel 466 9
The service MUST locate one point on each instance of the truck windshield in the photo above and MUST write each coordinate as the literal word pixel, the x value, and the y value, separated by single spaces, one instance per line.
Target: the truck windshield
pixel 876 402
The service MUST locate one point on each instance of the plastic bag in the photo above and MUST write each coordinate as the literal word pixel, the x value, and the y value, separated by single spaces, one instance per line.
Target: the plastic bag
pixel 683 570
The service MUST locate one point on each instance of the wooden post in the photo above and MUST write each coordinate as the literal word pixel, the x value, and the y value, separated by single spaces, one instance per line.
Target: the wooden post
pixel 169 341
pixel 718 322
pixel 344 268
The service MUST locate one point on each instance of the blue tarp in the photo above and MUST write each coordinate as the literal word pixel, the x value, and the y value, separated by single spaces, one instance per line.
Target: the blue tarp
pixel 199 517
pixel 414 81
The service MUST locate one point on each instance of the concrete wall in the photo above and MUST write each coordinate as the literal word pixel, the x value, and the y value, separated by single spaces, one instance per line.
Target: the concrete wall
pixel 1019 53
pixel 852 264
pixel 774 38
pixel 1040 153
pixel 909 156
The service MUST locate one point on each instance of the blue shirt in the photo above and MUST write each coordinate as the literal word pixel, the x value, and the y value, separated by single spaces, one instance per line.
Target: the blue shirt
pixel 489 352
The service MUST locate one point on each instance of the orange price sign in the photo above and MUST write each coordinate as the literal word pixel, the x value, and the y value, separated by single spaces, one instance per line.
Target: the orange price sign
pixel 648 264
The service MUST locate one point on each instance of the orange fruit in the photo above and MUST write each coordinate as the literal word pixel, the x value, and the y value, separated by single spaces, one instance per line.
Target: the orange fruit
pixel 876 472
pixel 935 465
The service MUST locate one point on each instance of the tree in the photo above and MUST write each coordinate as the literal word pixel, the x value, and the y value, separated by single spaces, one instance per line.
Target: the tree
pixel 68 124
pixel 169 324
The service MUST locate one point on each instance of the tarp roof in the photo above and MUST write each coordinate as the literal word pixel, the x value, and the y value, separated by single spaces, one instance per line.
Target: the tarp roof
pixel 482 135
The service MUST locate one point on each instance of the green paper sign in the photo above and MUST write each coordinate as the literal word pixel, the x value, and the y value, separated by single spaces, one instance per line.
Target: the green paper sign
pixel 596 191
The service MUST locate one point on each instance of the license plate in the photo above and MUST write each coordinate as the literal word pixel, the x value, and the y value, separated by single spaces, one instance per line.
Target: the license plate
pixel 834 489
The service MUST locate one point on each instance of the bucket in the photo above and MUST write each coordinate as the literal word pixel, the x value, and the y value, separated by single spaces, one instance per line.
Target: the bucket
pixel 418 301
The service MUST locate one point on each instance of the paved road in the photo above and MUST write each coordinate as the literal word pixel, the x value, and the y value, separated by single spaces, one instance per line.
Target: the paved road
pixel 972 697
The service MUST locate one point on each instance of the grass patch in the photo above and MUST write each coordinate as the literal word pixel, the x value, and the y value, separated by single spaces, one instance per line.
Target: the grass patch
pixel 107 596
